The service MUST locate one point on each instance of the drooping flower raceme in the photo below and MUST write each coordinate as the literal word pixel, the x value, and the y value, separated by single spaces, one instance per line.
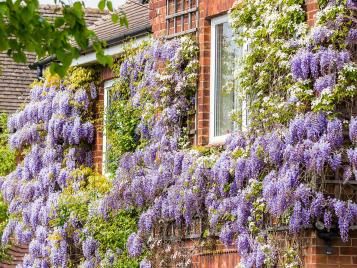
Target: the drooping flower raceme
pixel 57 135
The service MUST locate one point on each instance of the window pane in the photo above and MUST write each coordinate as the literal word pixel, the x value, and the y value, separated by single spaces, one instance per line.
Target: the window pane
pixel 106 142
pixel 227 56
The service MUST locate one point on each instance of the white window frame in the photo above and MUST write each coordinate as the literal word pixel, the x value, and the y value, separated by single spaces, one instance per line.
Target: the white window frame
pixel 218 140
pixel 107 86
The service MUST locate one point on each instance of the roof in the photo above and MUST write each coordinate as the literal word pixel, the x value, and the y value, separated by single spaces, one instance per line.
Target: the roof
pixel 138 20
pixel 15 78
pixel 53 11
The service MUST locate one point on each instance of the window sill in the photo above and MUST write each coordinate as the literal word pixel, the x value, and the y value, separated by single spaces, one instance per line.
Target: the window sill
pixel 218 141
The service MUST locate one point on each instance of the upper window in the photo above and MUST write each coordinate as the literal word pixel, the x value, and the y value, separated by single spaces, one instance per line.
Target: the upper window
pixel 225 55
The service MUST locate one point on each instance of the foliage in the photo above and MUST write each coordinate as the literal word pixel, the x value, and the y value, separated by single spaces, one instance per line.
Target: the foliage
pixel 275 174
pixel 7 164
pixel 159 83
pixel 3 222
pixel 53 192
pixel 23 29
pixel 7 156
pixel 123 117
pixel 112 234
pixel 323 68
pixel 55 132
pixel 122 120
pixel 75 205
pixel 269 28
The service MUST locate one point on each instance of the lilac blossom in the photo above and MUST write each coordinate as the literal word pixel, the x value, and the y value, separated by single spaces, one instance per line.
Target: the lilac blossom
pixel 353 129
pixel 145 264
pixel 326 82
pixel 134 245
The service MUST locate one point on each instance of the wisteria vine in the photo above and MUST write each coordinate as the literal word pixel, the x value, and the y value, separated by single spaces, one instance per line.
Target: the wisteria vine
pixel 256 177
pixel 55 132
pixel 277 175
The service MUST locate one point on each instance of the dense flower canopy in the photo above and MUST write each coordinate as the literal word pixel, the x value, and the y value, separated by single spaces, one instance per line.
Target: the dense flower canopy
pixel 55 132
pixel 258 178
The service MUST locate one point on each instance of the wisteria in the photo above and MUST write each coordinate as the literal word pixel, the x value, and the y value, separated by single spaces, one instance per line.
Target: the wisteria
pixel 254 180
pixel 325 61
pixel 57 136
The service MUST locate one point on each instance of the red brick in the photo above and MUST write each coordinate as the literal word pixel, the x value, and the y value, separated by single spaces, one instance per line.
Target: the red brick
pixel 348 250
pixel 339 260
pixel 320 259
pixel 354 259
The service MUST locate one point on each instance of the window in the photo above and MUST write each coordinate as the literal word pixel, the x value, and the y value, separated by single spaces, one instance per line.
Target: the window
pixel 107 87
pixel 225 55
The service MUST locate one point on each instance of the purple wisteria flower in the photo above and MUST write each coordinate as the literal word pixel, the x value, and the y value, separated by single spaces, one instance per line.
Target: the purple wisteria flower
pixel 352 36
pixel 134 245
pixel 353 129
pixel 352 4
pixel 145 264
pixel 321 34
pixel 326 82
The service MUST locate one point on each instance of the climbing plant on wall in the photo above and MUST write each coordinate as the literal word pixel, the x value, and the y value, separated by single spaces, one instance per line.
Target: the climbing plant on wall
pixel 54 131
pixel 54 194
pixel 275 175
pixel 7 164
pixel 276 172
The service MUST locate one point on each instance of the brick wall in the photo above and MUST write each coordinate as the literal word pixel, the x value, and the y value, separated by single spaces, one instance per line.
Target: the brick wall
pixel 344 254
pixel 106 75
pixel 157 16
pixel 311 9
pixel 16 253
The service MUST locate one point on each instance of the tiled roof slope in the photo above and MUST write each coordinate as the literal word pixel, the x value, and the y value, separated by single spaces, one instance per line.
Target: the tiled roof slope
pixel 138 19
pixel 52 11
pixel 15 78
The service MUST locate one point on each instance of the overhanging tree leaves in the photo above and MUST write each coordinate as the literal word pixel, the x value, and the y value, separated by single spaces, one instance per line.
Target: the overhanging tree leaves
pixel 23 29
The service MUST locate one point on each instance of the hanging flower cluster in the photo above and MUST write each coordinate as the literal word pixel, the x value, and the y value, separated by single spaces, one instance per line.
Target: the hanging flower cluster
pixel 324 67
pixel 159 81
pixel 257 177
pixel 55 132
pixel 251 180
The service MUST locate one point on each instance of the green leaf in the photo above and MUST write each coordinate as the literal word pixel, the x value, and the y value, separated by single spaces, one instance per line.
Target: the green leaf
pixel 59 22
pixel 124 21
pixel 101 4
pixel 115 18
pixel 110 5
pixel 19 56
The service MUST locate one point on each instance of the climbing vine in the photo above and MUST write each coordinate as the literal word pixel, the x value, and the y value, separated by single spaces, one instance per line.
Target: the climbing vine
pixel 271 30
pixel 275 175
pixel 295 81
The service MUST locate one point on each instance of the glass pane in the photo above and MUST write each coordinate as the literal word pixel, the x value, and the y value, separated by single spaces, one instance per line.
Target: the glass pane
pixel 227 56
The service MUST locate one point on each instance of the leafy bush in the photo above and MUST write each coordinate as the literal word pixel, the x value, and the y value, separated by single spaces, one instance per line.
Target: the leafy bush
pixel 7 156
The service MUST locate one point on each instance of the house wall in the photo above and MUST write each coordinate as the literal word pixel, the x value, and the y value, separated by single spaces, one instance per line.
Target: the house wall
pixel 106 75
pixel 313 248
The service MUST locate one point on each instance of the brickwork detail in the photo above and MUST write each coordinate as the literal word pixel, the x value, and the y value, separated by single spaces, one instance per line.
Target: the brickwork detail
pixel 312 7
pixel 344 255
pixel 17 254
pixel 106 75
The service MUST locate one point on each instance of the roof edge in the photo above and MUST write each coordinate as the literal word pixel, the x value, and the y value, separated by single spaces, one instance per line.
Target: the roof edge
pixel 110 42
